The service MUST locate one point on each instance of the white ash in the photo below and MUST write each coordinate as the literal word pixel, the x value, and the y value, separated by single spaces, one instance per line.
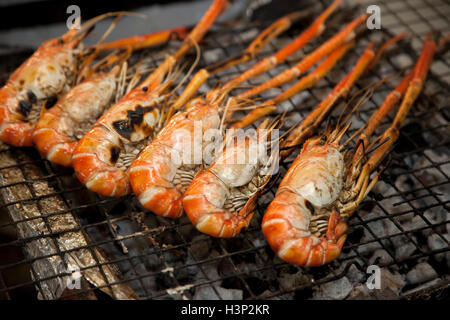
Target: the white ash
pixel 289 281
pixel 380 228
pixel 436 242
pixel 404 251
pixel 422 272
pixel 362 292
pixel 213 55
pixel 335 290
pixel 355 276
pixel 208 293
pixel 381 256
pixel 402 239
pixel 390 287
pixel 402 60
pixel 249 35
pixel 416 222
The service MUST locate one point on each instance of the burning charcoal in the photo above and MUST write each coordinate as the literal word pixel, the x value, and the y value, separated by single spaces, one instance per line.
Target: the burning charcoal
pixel 368 248
pixel 437 215
pixel 379 228
pixel 187 231
pixel 382 257
pixel 384 189
pixel 149 283
pixel 335 290
pixel 401 240
pixel 420 273
pixel 209 272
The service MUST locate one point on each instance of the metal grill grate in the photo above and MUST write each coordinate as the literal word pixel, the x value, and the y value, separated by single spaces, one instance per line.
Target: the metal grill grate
pixel 403 222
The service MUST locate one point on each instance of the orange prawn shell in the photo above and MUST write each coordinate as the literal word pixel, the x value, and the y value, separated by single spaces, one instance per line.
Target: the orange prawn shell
pixel 90 156
pixel 47 139
pixel 47 72
pixel 93 159
pixel 86 100
pixel 285 223
pixel 149 169
pixel 221 223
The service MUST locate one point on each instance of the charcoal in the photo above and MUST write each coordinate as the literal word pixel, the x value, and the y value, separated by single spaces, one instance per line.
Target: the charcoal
pixel 381 256
pixel 208 293
pixel 422 272
pixel 335 290
pixel 405 251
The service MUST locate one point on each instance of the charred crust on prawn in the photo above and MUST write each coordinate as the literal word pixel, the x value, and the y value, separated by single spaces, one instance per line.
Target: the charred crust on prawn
pixel 135 118
pixel 51 101
pixel 31 96
pixel 124 128
pixel 115 153
pixel 310 206
pixel 24 107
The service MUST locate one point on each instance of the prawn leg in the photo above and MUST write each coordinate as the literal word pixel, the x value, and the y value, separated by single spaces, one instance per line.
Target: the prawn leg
pixel 248 54
pixel 146 41
pixel 308 228
pixel 313 31
pixel 102 157
pixel 306 82
pixel 311 59
pixel 391 134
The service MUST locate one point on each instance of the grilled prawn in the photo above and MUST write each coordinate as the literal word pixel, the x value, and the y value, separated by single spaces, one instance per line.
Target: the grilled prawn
pixel 62 124
pixel 159 180
pixel 49 73
pixel 104 153
pixel 304 224
pixel 221 199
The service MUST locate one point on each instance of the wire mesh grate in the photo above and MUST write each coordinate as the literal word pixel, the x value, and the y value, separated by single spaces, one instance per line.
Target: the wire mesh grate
pixel 122 250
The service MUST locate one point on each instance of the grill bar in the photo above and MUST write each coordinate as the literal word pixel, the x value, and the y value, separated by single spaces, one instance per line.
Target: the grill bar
pixel 163 259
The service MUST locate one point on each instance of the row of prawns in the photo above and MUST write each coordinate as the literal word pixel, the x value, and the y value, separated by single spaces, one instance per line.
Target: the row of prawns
pixel 123 137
